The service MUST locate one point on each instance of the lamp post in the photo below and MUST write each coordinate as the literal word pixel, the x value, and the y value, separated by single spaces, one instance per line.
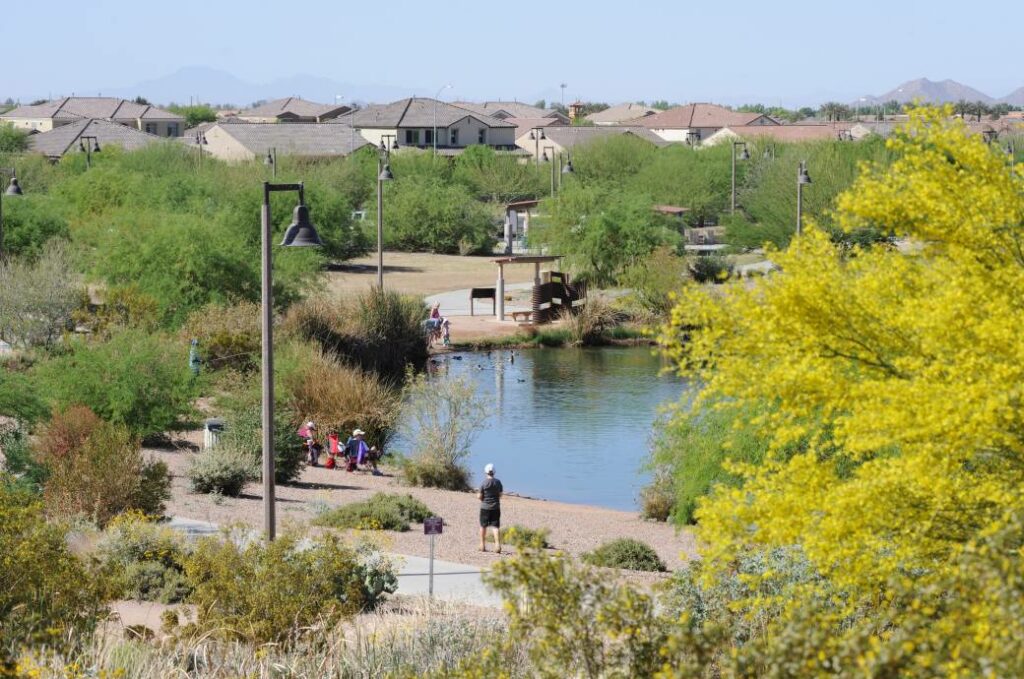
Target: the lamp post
pixel 536 136
pixel 300 233
pixel 200 143
pixel 271 161
pixel 383 175
pixel 563 86
pixel 13 189
pixel 88 149
pixel 802 178
pixel 550 159
pixel 433 137
pixel 564 170
pixel 745 155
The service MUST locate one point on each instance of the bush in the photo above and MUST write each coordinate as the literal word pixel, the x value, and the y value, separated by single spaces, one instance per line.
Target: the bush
pixel 37 298
pixel 275 592
pixel 442 416
pixel 96 469
pixel 18 459
pixel 223 469
pixel 625 553
pixel 148 557
pixel 229 336
pixel 657 500
pixel 29 223
pixel 136 380
pixel 536 538
pixel 19 397
pixel 383 511
pixel 47 595
pixel 710 269
pixel 656 279
pixel 424 213
pixel 589 323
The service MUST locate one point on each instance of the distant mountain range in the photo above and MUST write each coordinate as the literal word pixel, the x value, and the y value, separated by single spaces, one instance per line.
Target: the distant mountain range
pixel 946 91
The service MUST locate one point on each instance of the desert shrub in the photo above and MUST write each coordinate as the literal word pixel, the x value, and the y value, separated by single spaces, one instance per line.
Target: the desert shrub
pixel 424 213
pixel 710 269
pixel 95 468
pixel 19 397
pixel 625 553
pixel 379 331
pixel 47 594
pixel 30 221
pixel 136 380
pixel 223 469
pixel 517 535
pixel 18 458
pixel 12 140
pixel 229 336
pixel 588 324
pixel 442 416
pixel 243 432
pixel 148 558
pixel 655 280
pixel 123 306
pixel 37 297
pixel 383 511
pixel 275 592
pixel 657 499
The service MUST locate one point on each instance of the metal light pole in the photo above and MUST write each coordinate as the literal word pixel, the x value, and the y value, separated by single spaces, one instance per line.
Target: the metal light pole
pixel 568 169
pixel 383 175
pixel 536 135
pixel 300 233
pixel 563 86
pixel 200 142
pixel 801 178
pixel 550 159
pixel 744 156
pixel 88 149
pixel 13 189
pixel 434 135
pixel 271 161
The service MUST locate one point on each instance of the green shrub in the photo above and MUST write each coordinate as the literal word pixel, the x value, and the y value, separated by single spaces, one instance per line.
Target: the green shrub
pixel 710 269
pixel 589 324
pixel 274 592
pixel 18 458
pixel 243 432
pixel 19 397
pixel 229 336
pixel 38 297
pixel 625 553
pixel 425 213
pixel 383 511
pixel 223 469
pixel 47 595
pixel 136 380
pixel 29 222
pixel 657 499
pixel 96 469
pixel 522 536
pixel 148 557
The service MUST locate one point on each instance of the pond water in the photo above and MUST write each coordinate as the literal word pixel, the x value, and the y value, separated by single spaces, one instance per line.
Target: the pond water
pixel 567 424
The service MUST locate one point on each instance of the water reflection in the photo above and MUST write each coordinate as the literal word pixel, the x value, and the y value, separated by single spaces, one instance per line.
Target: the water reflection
pixel 567 424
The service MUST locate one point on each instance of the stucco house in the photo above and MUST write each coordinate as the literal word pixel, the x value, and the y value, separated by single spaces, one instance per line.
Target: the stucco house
pixel 550 141
pixel 240 142
pixel 616 115
pixel 68 138
pixel 694 123
pixel 411 123
pixel 292 110
pixel 504 110
pixel 53 114
pixel 842 131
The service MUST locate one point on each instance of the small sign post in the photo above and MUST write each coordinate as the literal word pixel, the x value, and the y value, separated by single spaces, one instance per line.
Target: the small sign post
pixel 432 526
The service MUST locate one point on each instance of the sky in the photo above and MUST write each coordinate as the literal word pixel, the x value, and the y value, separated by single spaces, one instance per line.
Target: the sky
pixel 793 52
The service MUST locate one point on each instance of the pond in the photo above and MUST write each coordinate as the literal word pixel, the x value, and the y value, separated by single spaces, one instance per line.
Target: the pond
pixel 567 424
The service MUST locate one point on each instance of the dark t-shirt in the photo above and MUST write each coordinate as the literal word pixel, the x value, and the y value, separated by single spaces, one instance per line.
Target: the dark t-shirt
pixel 491 491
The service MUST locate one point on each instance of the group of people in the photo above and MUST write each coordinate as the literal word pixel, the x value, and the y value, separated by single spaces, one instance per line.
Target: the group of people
pixel 354 455
pixel 437 329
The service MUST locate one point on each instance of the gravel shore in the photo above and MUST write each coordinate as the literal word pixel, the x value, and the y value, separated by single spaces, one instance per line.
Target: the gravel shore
pixel 574 528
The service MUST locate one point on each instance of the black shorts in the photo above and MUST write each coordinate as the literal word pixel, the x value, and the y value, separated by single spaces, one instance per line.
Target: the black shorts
pixel 490 517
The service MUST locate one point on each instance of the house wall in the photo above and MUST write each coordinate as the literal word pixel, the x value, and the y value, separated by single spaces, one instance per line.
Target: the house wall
pixel 469 130
pixel 37 124
pixel 220 144
pixel 161 128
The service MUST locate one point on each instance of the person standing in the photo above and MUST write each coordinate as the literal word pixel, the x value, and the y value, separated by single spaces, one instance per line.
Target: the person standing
pixel 490 508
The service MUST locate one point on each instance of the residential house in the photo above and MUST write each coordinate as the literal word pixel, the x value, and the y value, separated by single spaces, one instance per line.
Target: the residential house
pixel 842 131
pixel 551 141
pixel 292 110
pixel 412 122
pixel 53 114
pixel 693 123
pixel 617 115
pixel 524 125
pixel 239 142
pixel 504 110
pixel 68 138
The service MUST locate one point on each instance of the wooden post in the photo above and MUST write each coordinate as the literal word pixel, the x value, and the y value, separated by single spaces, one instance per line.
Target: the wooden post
pixel 500 292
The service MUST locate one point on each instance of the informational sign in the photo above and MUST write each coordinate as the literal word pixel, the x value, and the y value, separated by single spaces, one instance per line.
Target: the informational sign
pixel 433 525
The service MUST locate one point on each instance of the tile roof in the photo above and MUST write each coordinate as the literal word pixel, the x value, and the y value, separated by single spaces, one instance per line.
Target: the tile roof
pixel 295 106
pixel 524 125
pixel 110 108
pixel 695 116
pixel 308 139
pixel 620 113
pixel 508 109
pixel 789 132
pixel 65 138
pixel 414 112
pixel 569 136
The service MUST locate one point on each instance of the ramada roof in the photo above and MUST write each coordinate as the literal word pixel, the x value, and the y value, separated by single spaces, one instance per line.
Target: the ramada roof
pixel 58 141
pixel 110 108
pixel 693 116
pixel 414 112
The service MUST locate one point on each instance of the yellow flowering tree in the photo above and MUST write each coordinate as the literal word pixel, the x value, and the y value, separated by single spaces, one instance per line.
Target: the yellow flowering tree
pixel 894 373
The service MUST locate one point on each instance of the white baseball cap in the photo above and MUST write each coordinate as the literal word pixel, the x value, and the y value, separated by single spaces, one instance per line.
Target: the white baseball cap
pixel 358 432
pixel 489 469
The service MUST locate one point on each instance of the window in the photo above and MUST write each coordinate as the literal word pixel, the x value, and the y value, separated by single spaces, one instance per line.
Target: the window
pixel 150 128
pixel 172 130
pixel 412 137
pixel 428 136
pixel 455 137
pixel 481 137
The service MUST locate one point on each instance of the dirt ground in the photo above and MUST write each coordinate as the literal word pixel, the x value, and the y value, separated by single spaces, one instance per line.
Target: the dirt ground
pixel 422 273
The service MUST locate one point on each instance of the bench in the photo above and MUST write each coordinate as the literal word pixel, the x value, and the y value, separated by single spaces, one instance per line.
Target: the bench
pixel 482 293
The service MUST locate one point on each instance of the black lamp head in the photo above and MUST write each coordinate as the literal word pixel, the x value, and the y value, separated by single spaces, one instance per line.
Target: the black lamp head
pixel 301 232
pixel 385 174
pixel 14 189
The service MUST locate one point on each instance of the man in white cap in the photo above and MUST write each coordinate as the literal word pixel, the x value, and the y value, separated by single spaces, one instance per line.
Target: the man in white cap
pixel 490 508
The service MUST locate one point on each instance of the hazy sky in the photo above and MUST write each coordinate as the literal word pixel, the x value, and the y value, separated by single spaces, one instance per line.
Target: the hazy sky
pixel 732 51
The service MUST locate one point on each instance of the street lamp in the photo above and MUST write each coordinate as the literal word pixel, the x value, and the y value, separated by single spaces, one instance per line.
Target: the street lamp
pixel 384 174
pixel 271 160
pixel 433 137
pixel 88 149
pixel 802 178
pixel 545 158
pixel 536 136
pixel 744 155
pixel 300 233
pixel 13 189
pixel 200 143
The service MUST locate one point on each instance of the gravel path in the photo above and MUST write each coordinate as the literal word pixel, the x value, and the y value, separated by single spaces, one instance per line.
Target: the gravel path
pixel 574 528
